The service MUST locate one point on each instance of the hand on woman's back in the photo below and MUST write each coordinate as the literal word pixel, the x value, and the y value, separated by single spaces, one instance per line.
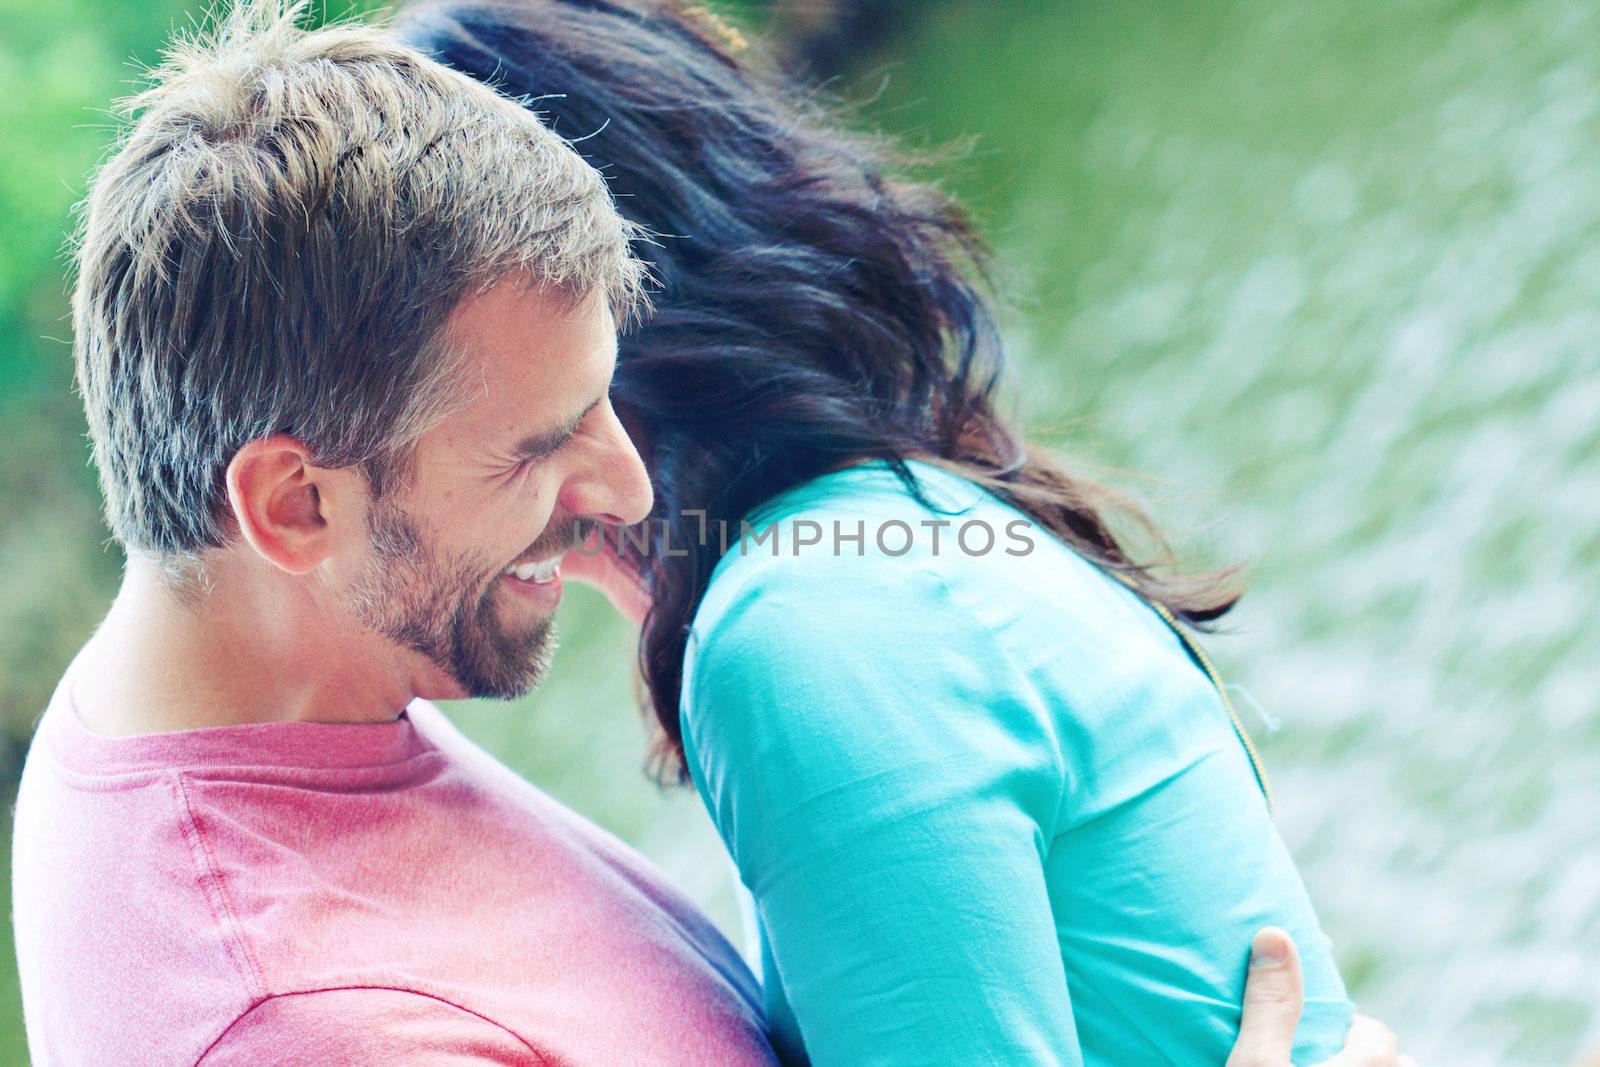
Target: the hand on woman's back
pixel 1273 992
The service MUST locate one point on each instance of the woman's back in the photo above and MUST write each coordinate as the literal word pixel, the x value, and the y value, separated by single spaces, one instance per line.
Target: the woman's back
pixel 988 807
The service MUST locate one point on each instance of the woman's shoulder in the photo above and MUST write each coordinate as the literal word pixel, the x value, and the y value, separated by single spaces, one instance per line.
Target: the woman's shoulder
pixel 862 540
pixel 810 602
pixel 799 604
pixel 824 668
pixel 1011 605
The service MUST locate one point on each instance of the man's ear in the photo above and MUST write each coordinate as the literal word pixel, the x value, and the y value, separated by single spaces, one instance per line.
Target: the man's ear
pixel 284 505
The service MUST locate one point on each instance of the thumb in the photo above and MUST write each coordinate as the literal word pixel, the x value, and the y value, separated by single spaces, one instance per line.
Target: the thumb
pixel 1274 991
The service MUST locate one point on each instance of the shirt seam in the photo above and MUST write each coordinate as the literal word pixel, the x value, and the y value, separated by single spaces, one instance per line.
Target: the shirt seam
pixel 539 1057
pixel 1041 705
pixel 216 894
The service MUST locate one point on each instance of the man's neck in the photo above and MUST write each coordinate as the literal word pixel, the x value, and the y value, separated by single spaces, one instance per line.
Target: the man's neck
pixel 249 649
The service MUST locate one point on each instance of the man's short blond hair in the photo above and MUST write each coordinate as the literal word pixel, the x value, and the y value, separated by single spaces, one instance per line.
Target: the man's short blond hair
pixel 276 245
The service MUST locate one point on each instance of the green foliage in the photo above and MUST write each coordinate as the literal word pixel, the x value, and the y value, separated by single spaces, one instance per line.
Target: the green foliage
pixel 63 65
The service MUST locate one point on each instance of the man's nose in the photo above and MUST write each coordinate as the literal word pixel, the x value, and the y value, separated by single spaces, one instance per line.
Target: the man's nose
pixel 613 485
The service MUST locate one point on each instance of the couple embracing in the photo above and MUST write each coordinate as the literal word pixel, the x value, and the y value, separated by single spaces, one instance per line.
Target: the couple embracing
pixel 346 328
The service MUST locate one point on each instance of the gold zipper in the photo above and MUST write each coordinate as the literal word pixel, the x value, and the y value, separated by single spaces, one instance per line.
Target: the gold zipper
pixel 1205 664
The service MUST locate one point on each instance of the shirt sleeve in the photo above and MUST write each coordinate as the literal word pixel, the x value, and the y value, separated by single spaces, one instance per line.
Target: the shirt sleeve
pixel 887 784
pixel 363 1026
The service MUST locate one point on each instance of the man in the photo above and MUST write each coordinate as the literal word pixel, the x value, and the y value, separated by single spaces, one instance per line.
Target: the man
pixel 345 324
pixel 344 331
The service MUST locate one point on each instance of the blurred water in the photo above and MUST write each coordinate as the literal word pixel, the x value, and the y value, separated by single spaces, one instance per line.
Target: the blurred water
pixel 1329 272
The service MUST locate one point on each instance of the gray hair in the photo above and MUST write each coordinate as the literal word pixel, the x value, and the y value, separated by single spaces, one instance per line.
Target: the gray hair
pixel 277 243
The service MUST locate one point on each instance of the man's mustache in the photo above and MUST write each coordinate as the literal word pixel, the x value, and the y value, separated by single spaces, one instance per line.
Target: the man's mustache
pixel 558 539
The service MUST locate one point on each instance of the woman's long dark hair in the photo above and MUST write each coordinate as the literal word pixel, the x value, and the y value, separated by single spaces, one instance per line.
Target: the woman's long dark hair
pixel 813 311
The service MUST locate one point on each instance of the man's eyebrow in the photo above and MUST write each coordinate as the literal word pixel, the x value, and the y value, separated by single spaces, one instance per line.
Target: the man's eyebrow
pixel 540 445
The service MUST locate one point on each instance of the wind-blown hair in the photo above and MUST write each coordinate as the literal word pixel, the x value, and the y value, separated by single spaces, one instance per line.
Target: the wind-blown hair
pixel 814 310
pixel 276 244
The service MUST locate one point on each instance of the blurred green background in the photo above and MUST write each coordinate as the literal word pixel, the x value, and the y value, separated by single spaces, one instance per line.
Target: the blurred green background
pixel 1324 273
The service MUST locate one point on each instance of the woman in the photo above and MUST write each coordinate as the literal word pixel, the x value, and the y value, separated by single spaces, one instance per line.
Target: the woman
pixel 991 805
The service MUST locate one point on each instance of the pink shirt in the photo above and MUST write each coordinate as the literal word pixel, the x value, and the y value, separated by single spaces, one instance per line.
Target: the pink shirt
pixel 357 894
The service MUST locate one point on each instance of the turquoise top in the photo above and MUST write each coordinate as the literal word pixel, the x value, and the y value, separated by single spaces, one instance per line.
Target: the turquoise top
pixel 988 807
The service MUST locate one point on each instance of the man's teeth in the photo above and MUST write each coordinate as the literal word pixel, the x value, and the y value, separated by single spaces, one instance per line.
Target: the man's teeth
pixel 539 573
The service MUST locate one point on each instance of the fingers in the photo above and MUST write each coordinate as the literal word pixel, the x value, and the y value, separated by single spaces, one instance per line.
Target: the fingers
pixel 1273 994
pixel 1371 1044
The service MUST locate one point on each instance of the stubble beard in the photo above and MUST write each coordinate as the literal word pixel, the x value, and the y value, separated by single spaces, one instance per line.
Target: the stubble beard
pixel 443 608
